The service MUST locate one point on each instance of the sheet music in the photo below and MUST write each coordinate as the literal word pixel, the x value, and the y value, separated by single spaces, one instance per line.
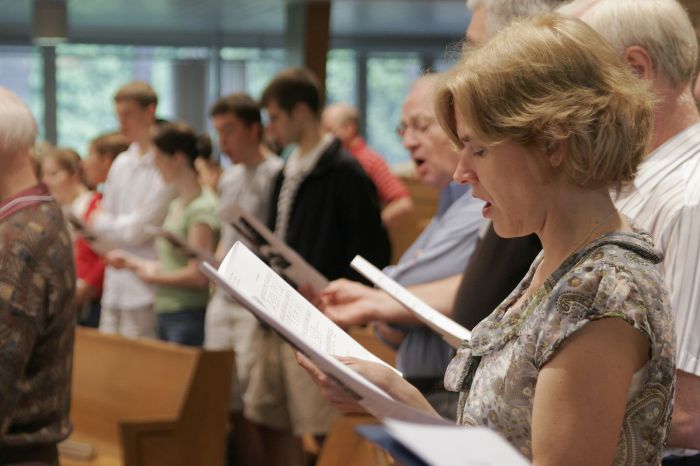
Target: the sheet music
pixel 182 244
pixel 280 257
pixel 99 245
pixel 455 445
pixel 252 283
pixel 451 331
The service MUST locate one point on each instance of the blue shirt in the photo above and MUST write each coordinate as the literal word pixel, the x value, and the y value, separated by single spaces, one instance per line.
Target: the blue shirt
pixel 441 250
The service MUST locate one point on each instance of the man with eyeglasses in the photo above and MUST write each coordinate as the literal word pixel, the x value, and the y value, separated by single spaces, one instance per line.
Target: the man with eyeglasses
pixel 440 251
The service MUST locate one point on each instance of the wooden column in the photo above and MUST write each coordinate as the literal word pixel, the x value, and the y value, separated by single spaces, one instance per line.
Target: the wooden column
pixel 307 36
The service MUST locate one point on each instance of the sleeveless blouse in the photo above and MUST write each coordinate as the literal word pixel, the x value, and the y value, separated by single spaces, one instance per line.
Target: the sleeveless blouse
pixel 612 277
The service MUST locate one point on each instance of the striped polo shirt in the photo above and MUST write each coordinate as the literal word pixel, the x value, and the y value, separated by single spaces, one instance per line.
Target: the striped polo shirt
pixel 665 200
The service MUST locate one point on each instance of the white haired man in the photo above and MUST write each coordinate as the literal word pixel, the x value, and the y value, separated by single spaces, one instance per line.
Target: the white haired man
pixel 37 292
pixel 657 39
pixel 497 264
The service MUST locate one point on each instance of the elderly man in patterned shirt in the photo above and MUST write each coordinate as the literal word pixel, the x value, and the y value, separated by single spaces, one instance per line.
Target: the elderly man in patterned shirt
pixel 37 292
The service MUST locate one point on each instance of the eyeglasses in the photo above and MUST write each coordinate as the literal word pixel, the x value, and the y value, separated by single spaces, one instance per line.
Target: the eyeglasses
pixel 417 125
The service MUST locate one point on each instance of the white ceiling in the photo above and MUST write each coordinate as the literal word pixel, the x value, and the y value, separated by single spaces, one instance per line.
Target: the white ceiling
pixel 230 22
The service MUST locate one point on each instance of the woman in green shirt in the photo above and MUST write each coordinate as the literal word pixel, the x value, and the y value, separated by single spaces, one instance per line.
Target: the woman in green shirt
pixel 181 290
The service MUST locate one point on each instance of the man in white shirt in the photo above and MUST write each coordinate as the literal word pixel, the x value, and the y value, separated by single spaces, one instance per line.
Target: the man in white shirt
pixel 134 196
pixel 657 39
pixel 248 183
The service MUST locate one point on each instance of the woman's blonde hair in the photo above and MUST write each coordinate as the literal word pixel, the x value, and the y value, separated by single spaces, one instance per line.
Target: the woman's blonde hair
pixel 552 79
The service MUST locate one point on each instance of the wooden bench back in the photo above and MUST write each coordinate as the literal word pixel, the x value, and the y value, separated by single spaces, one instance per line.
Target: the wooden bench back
pixel 149 403
pixel 115 378
pixel 425 202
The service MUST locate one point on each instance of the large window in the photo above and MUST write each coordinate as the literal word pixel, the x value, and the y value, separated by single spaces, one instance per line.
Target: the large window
pixel 341 77
pixel 249 70
pixel 389 77
pixel 89 75
pixel 22 74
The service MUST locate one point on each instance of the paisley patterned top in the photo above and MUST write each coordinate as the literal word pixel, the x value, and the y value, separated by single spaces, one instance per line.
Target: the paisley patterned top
pixel 613 276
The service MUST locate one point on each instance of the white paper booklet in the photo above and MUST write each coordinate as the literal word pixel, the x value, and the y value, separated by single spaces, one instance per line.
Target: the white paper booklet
pixel 448 329
pixel 99 245
pixel 455 445
pixel 182 244
pixel 270 298
pixel 280 257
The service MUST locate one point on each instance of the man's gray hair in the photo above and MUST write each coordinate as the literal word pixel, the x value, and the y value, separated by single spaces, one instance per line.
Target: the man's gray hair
pixel 500 13
pixel 661 27
pixel 18 128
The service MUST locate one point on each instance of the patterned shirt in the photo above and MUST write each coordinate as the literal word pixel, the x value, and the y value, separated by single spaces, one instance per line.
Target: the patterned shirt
pixel 37 320
pixel 389 186
pixel 614 276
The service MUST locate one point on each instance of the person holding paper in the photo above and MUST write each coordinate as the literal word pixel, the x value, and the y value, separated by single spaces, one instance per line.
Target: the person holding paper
pixel 440 251
pixel 577 365
pixel 89 265
pixel 62 174
pixel 135 196
pixel 325 208
pixel 248 183
pixel 657 39
pixel 181 290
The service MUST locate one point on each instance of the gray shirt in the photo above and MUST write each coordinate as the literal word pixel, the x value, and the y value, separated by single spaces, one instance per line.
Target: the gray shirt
pixel 250 188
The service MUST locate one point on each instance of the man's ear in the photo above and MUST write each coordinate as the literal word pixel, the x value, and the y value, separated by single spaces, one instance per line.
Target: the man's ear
pixel 640 61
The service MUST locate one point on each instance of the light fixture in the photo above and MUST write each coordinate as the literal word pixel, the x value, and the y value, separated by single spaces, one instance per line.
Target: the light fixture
pixel 50 22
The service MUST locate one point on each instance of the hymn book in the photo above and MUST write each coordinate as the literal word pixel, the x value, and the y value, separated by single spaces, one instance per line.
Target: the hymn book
pixel 453 333
pixel 247 279
pixel 192 252
pixel 280 257
pixel 99 245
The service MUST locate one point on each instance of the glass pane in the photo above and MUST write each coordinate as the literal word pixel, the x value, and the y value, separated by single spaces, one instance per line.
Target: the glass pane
pixel 22 74
pixel 389 78
pixel 248 69
pixel 341 77
pixel 89 75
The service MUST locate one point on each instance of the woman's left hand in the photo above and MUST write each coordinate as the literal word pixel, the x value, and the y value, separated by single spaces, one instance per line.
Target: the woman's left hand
pixel 336 395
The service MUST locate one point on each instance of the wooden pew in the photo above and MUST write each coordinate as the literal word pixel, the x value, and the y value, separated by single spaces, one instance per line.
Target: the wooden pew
pixel 147 403
pixel 425 201
pixel 344 447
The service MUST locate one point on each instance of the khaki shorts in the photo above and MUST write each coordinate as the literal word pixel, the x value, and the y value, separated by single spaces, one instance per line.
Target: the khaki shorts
pixel 281 394
pixel 228 325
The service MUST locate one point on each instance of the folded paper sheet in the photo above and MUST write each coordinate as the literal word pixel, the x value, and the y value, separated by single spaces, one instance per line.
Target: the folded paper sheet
pixel 448 329
pixel 257 287
pixel 283 259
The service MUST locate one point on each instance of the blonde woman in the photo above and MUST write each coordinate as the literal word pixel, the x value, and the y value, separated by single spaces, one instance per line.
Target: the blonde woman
pixel 576 366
